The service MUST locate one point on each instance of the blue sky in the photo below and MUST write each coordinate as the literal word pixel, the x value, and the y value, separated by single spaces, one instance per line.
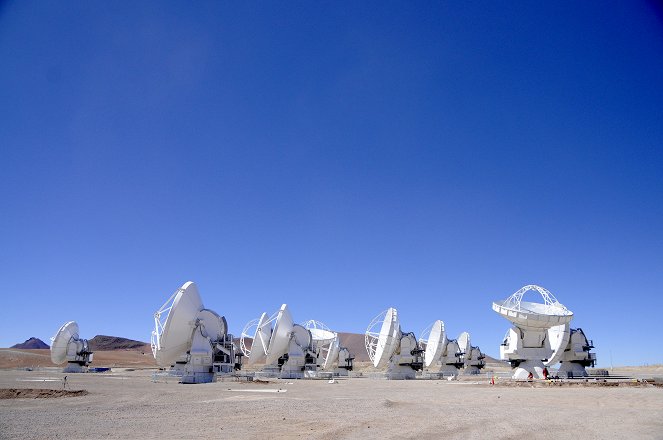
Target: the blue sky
pixel 337 157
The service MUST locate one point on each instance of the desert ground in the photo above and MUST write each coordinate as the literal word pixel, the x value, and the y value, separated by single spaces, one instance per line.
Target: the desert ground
pixel 36 359
pixel 128 403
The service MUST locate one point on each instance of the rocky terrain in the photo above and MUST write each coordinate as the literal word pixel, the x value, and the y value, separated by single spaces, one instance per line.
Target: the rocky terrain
pixel 133 404
pixel 109 351
pixel 32 344
pixel 102 342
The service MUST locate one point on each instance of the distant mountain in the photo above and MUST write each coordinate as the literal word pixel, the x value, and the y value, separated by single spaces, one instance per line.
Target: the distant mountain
pixel 105 343
pixel 31 344
pixel 492 360
pixel 355 343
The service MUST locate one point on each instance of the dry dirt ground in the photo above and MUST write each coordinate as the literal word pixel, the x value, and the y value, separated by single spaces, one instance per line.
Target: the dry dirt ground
pixel 128 404
pixel 21 358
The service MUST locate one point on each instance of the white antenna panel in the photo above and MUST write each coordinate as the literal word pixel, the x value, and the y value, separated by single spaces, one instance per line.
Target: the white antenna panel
pixel 381 345
pixel 278 343
pixel 172 335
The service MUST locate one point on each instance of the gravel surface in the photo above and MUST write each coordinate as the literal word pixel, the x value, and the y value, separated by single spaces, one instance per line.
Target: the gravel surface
pixel 127 404
pixel 38 393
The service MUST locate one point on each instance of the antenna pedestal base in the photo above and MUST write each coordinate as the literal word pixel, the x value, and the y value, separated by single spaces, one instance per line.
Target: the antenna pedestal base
pixel 522 371
pixel 73 367
pixel 445 370
pixel 400 372
pixel 571 369
pixel 437 375
pixel 296 365
pixel 340 372
pixel 198 377
pixel 198 373
pixel 472 369
pixel 223 368
pixel 295 368
pixel 268 371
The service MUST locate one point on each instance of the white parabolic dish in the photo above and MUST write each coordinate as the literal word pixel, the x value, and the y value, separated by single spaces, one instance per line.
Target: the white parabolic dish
pixel 332 354
pixel 61 340
pixel 464 343
pixel 260 341
pixel 388 338
pixel 215 326
pixel 278 343
pixel 325 341
pixel 533 315
pixel 175 336
pixel 559 338
pixel 320 334
pixel 435 343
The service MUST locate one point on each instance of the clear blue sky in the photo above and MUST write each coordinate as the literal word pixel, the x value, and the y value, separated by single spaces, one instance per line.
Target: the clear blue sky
pixel 337 157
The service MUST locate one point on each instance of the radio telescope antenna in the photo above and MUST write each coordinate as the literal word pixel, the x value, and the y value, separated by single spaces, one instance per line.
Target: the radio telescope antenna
pixel 258 331
pixel 527 345
pixel 329 353
pixel 67 346
pixel 434 339
pixel 286 348
pixel 280 340
pixel 572 349
pixel 442 356
pixel 464 343
pixel 324 343
pixel 390 347
pixel 192 340
pixel 473 358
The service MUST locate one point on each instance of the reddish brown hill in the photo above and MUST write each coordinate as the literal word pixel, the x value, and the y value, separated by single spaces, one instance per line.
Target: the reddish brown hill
pixel 106 343
pixel 354 342
pixel 31 344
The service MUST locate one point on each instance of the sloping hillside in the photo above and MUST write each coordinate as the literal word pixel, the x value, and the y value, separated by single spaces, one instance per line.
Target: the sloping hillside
pixel 354 342
pixel 31 344
pixel 106 343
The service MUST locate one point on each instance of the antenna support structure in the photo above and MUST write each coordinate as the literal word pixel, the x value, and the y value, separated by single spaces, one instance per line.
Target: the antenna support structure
pixel 391 348
pixel 285 349
pixel 572 349
pixel 527 343
pixel 330 355
pixel 192 341
pixel 445 357
pixel 67 346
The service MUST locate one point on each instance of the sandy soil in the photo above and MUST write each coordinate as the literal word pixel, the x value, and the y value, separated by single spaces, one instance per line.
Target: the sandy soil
pixel 38 393
pixel 20 358
pixel 127 404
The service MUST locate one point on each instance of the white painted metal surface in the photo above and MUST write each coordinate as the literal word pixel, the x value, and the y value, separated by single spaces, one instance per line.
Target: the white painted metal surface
pixel 559 338
pixel 332 357
pixel 382 344
pixel 259 331
pixel 192 340
pixel 527 344
pixel 529 314
pixel 434 339
pixel 278 343
pixel 325 344
pixel 59 343
pixel 172 336
pixel 464 343
pixel 67 346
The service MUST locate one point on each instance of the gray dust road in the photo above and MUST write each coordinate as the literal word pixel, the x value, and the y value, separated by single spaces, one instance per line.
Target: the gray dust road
pixel 130 405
